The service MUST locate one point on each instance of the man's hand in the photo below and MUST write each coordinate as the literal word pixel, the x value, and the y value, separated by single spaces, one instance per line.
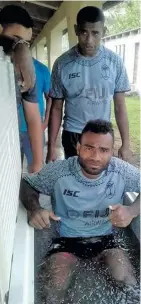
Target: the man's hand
pixel 124 153
pixel 121 216
pixel 44 125
pixel 51 155
pixel 34 168
pixel 40 219
pixel 23 63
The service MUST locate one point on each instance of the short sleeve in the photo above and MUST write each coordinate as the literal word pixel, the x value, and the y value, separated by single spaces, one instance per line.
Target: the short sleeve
pixel 132 181
pixel 31 95
pixel 46 86
pixel 44 181
pixel 56 90
pixel 122 81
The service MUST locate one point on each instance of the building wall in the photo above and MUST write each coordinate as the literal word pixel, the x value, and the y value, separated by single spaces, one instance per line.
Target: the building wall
pixel 10 170
pixel 129 49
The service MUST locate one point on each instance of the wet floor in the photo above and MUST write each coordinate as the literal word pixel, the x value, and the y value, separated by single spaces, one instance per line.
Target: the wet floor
pixel 90 285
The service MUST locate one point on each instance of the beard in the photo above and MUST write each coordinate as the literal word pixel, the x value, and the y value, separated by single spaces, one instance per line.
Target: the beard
pixel 91 170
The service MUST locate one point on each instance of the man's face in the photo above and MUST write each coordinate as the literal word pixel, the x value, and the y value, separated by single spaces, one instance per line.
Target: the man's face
pixel 89 37
pixel 94 153
pixel 19 31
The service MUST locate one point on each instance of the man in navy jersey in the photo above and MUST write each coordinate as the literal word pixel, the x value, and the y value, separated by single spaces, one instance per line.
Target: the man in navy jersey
pixel 88 192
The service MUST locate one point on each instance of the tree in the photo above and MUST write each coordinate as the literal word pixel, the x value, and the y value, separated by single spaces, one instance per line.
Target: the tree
pixel 122 17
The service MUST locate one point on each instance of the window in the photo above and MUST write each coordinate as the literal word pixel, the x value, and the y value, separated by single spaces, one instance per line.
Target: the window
pixel 65 41
pixel 120 50
pixel 122 54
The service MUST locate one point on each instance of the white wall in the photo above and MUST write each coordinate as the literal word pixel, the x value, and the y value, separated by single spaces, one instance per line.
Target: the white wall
pixel 16 237
pixel 10 170
pixel 129 43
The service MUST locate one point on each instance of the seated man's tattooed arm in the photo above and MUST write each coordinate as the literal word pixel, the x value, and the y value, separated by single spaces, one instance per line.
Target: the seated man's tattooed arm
pixel 29 197
pixel 31 187
pixel 38 217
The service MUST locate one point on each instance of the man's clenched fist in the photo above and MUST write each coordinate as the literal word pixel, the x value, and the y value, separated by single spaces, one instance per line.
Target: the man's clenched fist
pixel 121 216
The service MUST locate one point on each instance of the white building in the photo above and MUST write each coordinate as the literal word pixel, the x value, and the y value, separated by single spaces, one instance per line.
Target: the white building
pixel 127 45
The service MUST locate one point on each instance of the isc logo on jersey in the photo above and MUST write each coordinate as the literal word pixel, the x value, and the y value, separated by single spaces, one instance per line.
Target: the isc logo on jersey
pixel 74 75
pixel 71 193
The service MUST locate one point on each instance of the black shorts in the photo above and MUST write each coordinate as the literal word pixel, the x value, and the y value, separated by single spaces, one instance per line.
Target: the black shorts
pixel 83 247
pixel 69 142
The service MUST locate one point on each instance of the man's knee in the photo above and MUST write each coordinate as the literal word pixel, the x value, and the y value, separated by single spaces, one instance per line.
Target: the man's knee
pixel 119 266
pixel 61 266
pixel 63 258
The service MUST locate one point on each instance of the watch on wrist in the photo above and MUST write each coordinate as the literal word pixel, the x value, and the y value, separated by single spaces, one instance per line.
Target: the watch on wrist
pixel 20 41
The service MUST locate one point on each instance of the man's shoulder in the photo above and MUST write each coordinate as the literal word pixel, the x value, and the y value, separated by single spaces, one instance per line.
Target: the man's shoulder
pixel 111 54
pixel 45 180
pixel 58 168
pixel 39 65
pixel 31 95
pixel 121 167
pixel 117 165
pixel 65 57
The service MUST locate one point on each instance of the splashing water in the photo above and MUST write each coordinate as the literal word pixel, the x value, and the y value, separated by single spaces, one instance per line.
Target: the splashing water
pixel 93 285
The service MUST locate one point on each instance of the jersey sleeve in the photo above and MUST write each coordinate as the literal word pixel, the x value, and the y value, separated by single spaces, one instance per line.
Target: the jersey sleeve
pixel 44 181
pixel 46 86
pixel 132 180
pixel 122 81
pixel 31 95
pixel 56 91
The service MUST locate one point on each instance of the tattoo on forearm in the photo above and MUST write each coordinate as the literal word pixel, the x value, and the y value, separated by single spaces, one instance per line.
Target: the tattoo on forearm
pixel 29 196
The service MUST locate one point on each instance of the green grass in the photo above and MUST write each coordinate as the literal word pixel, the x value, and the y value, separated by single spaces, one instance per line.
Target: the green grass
pixel 133 110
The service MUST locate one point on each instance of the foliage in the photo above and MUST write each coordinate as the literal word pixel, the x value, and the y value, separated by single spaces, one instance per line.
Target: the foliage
pixel 122 17
pixel 133 111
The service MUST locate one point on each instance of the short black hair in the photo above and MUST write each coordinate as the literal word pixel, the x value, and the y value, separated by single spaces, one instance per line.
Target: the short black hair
pixel 90 14
pixel 11 14
pixel 98 126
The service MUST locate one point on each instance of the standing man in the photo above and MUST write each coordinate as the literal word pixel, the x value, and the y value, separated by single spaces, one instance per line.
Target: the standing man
pixel 43 85
pixel 87 77
pixel 17 32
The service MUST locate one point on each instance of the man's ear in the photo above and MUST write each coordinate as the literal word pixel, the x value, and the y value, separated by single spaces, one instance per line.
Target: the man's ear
pixel 78 148
pixel 76 29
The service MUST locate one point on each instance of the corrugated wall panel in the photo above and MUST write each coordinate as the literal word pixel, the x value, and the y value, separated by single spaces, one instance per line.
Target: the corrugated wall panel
pixel 10 170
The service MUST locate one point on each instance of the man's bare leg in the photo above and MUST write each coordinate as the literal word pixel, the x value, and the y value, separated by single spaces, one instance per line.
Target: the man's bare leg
pixel 60 269
pixel 118 265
